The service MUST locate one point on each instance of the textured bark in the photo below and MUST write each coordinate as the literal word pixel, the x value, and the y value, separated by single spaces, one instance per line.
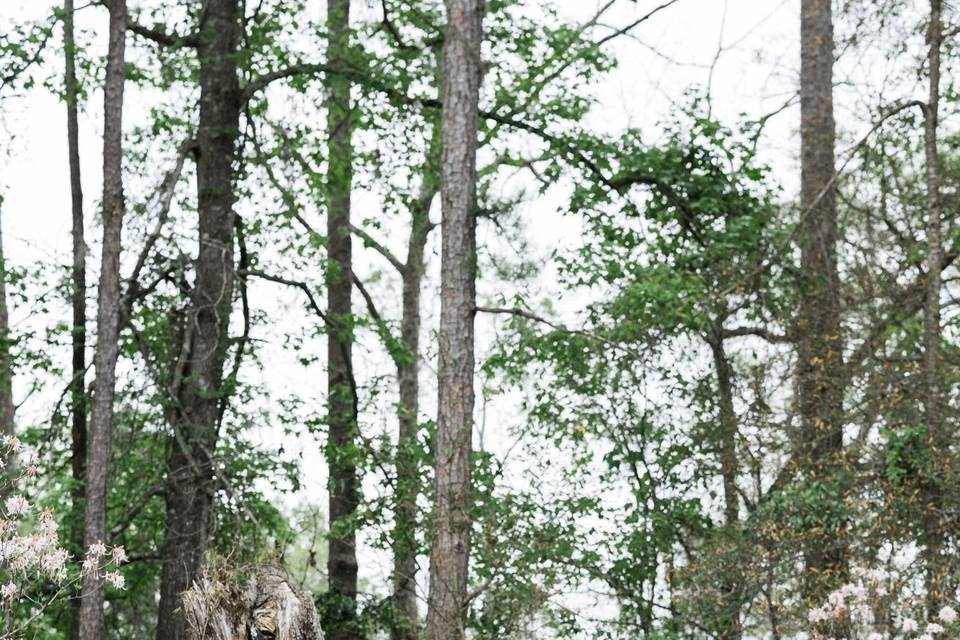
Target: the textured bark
pixel 732 586
pixel 936 563
pixel 78 294
pixel 199 387
pixel 450 549
pixel 108 322
pixel 268 606
pixel 820 345
pixel 343 485
pixel 729 467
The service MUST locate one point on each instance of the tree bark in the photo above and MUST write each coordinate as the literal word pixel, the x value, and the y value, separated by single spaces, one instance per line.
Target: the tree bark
pixel 78 293
pixel 343 485
pixel 108 321
pixel 267 606
pixel 732 588
pixel 821 344
pixel 936 564
pixel 7 408
pixel 201 397
pixel 450 548
pixel 408 409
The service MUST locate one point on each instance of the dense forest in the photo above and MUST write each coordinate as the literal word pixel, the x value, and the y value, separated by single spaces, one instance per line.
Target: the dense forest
pixel 480 319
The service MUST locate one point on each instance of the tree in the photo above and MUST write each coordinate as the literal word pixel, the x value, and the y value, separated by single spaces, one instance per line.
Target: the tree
pixel 820 349
pixel 199 397
pixel 405 353
pixel 450 548
pixel 7 407
pixel 341 392
pixel 108 322
pixel 934 526
pixel 408 408
pixel 78 293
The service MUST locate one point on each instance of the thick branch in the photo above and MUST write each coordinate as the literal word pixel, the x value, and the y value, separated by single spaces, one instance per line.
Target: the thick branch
pixel 304 69
pixel 162 37
pixel 760 332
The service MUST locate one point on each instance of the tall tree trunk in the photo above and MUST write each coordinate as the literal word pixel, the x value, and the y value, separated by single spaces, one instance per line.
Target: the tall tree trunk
pixel 450 549
pixel 108 321
pixel 408 410
pixel 821 344
pixel 408 468
pixel 7 418
pixel 732 587
pixel 78 293
pixel 937 567
pixel 343 485
pixel 195 419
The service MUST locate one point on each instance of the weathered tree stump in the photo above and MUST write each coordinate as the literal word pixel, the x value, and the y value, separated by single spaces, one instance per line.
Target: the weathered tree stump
pixel 267 608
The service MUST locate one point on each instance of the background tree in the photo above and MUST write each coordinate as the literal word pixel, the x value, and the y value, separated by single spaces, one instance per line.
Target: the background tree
pixel 937 572
pixel 78 404
pixel 100 448
pixel 341 392
pixel 820 351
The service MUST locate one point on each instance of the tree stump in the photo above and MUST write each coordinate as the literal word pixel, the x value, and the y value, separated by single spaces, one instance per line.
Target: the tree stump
pixel 267 608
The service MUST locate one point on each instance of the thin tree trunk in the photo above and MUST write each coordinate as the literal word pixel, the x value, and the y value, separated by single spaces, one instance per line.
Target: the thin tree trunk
pixel 7 418
pixel 408 468
pixel 937 566
pixel 108 321
pixel 78 294
pixel 450 548
pixel 343 484
pixel 195 419
pixel 821 344
pixel 731 628
pixel 408 410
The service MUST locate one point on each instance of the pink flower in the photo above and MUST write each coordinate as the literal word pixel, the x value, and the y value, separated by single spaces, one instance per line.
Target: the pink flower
pixel 54 563
pixel 119 555
pixel 116 579
pixel 818 615
pixel 948 615
pixel 7 591
pixel 17 505
pixel 48 526
pixel 97 550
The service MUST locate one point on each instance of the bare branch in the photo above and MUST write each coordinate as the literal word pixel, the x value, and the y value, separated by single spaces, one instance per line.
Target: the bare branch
pixel 165 199
pixel 290 283
pixel 635 23
pixel 304 69
pixel 162 37
pixel 369 241
pixel 760 332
